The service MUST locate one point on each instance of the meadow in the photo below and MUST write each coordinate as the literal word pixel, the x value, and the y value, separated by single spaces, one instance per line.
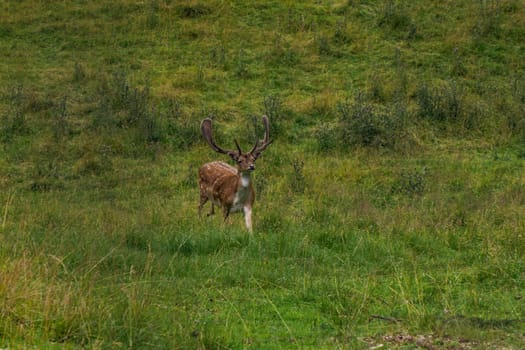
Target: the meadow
pixel 390 205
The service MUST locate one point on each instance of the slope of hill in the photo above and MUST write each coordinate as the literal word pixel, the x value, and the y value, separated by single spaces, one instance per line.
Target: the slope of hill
pixel 389 207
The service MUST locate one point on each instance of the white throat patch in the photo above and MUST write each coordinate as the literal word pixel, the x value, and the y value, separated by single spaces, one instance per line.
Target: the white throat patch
pixel 245 180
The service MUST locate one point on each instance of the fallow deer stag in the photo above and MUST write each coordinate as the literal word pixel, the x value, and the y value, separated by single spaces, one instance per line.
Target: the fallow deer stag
pixel 227 186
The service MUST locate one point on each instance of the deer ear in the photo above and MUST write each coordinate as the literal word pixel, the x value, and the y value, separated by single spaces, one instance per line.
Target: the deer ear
pixel 234 156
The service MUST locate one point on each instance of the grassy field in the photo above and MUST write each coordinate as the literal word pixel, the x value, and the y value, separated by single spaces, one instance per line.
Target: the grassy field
pixel 390 206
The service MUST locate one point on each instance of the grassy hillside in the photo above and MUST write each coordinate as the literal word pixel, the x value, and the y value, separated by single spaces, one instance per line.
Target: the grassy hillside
pixel 390 206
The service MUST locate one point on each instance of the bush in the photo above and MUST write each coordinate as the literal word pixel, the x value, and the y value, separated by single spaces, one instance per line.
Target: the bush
pixel 410 182
pixel 183 129
pixel 326 136
pixel 488 19
pixel 61 126
pixel 395 17
pixel 14 120
pixel 297 180
pixel 273 108
pixel 364 124
pixel 124 106
pixel 440 104
pixel 359 123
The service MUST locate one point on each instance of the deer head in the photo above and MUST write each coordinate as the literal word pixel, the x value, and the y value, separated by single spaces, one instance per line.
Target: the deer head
pixel 245 160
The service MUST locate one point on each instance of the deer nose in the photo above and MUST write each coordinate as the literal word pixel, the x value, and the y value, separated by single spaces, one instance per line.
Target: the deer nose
pixel 252 167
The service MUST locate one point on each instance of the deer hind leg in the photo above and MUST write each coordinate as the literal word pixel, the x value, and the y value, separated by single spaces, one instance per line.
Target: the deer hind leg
pixel 225 212
pixel 203 201
pixel 212 210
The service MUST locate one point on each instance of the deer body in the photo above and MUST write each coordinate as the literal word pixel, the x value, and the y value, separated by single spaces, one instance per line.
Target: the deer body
pixel 226 186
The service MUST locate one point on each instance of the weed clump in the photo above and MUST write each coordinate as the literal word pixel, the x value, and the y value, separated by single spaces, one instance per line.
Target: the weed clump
pixel 182 129
pixel 273 108
pixel 326 136
pixel 444 104
pixel 79 73
pixel 194 10
pixel 411 183
pixel 129 109
pixel 360 123
pixel 61 126
pixel 298 180
pixel 282 52
pixel 395 17
pixel 488 19
pixel 14 121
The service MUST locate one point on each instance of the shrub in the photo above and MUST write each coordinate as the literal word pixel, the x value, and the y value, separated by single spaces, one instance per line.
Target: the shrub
pixel 326 136
pixel 511 104
pixel 359 123
pixel 341 34
pixel 123 106
pixel 79 73
pixel 440 104
pixel 183 129
pixel 218 56
pixel 273 108
pixel 488 19
pixel 241 65
pixel 14 120
pixel 193 10
pixel 152 15
pixel 395 17
pixel 60 124
pixel 282 52
pixel 410 182
pixel 297 21
pixel 323 45
pixel 364 124
pixel 297 180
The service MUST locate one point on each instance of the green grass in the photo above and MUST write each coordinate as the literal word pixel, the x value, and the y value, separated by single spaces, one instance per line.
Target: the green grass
pixel 389 207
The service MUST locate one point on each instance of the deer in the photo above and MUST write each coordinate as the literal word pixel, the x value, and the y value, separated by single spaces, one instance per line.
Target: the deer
pixel 227 186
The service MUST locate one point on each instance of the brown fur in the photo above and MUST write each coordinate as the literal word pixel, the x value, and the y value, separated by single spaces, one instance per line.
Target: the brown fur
pixel 221 183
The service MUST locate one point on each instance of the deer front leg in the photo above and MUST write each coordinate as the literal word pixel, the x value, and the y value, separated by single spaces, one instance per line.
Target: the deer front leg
pixel 248 218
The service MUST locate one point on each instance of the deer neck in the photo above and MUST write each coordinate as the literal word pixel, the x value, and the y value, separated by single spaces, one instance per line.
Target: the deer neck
pixel 244 179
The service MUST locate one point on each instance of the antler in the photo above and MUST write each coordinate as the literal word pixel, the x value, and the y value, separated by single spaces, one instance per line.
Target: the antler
pixel 258 149
pixel 207 133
